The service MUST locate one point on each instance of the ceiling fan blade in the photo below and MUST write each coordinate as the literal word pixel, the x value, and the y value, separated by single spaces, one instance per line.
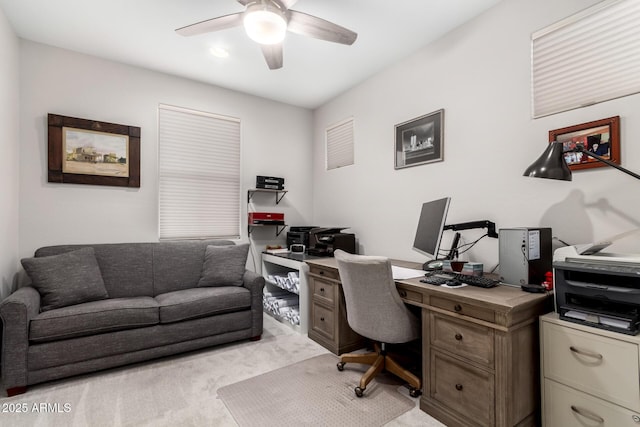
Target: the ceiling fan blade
pixel 210 25
pixel 312 26
pixel 288 3
pixel 273 54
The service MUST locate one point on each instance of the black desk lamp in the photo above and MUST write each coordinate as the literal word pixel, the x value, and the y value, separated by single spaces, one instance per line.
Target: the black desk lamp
pixel 551 163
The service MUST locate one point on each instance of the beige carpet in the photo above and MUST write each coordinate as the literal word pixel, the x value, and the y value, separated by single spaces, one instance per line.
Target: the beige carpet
pixel 314 392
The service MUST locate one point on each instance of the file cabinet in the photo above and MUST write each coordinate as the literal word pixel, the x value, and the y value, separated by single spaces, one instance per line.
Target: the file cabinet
pixel 329 326
pixel 589 376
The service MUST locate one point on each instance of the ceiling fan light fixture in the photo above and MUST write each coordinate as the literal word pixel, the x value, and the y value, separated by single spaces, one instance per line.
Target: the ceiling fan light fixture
pixel 265 24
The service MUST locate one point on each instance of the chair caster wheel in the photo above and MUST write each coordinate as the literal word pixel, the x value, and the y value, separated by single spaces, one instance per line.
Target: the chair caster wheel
pixel 340 366
pixel 414 392
pixel 359 391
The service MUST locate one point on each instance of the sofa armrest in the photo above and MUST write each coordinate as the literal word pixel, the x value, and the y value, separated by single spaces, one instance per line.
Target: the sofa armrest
pixel 255 282
pixel 16 311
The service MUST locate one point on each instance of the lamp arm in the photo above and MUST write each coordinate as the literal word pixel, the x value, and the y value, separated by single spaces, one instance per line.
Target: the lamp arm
pixel 580 149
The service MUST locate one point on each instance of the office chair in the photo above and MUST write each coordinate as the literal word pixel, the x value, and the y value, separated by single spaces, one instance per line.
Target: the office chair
pixel 376 311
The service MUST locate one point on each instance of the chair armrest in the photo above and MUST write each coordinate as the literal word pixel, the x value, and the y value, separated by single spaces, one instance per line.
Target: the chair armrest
pixel 16 311
pixel 255 282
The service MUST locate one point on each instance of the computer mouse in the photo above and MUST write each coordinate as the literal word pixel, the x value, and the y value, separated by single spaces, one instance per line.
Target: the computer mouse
pixel 454 282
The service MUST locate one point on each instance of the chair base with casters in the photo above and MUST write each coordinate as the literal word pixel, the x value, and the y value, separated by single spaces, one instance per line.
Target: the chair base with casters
pixel 380 361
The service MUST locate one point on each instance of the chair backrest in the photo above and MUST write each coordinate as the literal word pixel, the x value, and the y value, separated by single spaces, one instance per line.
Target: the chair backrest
pixel 374 308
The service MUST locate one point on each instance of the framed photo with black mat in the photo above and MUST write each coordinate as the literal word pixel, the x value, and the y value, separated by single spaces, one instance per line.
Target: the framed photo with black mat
pixel 420 140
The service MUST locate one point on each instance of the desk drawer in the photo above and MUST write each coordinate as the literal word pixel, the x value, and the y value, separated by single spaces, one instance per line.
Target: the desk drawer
pixel 329 273
pixel 324 291
pixel 465 339
pixel 323 321
pixel 463 308
pixel 410 295
pixel 466 390
pixel 602 366
pixel 566 407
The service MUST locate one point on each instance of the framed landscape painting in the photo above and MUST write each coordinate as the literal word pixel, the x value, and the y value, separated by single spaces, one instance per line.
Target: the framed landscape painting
pixel 85 151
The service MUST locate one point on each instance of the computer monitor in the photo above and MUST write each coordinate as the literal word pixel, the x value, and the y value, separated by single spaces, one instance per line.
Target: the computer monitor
pixel 430 225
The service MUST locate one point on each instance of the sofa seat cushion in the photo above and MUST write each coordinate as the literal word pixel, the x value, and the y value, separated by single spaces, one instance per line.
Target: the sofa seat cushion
pixel 93 318
pixel 199 302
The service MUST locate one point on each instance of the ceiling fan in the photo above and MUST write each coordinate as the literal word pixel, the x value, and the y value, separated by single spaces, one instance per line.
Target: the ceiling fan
pixel 267 21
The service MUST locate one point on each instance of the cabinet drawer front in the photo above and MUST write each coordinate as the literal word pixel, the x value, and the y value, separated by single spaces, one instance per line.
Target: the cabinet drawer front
pixel 410 295
pixel 601 366
pixel 566 407
pixel 330 273
pixel 323 321
pixel 324 291
pixel 463 308
pixel 467 390
pixel 468 340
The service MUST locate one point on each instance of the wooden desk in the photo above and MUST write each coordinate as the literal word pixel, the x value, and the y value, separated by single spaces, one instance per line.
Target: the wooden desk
pixel 480 347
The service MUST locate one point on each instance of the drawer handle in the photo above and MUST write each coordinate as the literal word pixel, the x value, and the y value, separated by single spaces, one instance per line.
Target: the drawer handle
pixel 459 387
pixel 457 307
pixel 322 319
pixel 403 294
pixel 321 273
pixel 322 290
pixel 586 353
pixel 458 337
pixel 587 414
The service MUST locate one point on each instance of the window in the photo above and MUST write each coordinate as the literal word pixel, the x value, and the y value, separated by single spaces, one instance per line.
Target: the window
pixel 340 144
pixel 590 57
pixel 199 174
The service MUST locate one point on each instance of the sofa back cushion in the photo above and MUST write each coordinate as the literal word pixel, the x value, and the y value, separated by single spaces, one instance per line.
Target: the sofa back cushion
pixel 66 279
pixel 178 265
pixel 127 268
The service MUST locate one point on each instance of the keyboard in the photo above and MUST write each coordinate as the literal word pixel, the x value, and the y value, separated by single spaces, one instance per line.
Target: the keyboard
pixel 453 278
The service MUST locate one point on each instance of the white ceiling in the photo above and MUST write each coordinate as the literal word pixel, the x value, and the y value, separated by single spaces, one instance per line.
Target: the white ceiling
pixel 141 33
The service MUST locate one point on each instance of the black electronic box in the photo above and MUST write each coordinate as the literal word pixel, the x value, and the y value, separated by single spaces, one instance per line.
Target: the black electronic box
pixel 269 182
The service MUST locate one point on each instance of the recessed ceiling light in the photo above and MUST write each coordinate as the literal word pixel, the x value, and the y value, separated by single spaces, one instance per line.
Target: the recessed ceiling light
pixel 219 52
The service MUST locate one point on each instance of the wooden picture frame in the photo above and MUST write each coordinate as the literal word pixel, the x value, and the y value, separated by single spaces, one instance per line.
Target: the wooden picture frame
pixel 602 137
pixel 420 140
pixel 90 152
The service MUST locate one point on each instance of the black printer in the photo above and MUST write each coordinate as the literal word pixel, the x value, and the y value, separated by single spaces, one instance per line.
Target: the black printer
pixel 324 241
pixel 599 291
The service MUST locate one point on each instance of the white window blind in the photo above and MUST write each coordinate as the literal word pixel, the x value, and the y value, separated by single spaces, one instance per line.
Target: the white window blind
pixel 590 57
pixel 199 170
pixel 339 138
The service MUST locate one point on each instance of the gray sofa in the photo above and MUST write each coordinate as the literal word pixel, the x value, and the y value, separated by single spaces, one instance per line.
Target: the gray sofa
pixel 158 299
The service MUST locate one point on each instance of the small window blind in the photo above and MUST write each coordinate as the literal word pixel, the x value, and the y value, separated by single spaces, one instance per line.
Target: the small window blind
pixel 590 57
pixel 339 138
pixel 199 171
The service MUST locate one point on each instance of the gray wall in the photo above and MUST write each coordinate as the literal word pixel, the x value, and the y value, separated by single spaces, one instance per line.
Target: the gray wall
pixel 480 75
pixel 9 144
pixel 276 140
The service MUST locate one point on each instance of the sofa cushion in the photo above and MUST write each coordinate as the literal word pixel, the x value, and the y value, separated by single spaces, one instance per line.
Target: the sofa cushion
pixel 199 302
pixel 66 279
pixel 127 268
pixel 224 265
pixel 93 318
pixel 177 265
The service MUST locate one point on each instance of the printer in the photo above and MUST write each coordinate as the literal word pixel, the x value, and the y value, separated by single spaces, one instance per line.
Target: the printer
pixel 324 241
pixel 598 289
